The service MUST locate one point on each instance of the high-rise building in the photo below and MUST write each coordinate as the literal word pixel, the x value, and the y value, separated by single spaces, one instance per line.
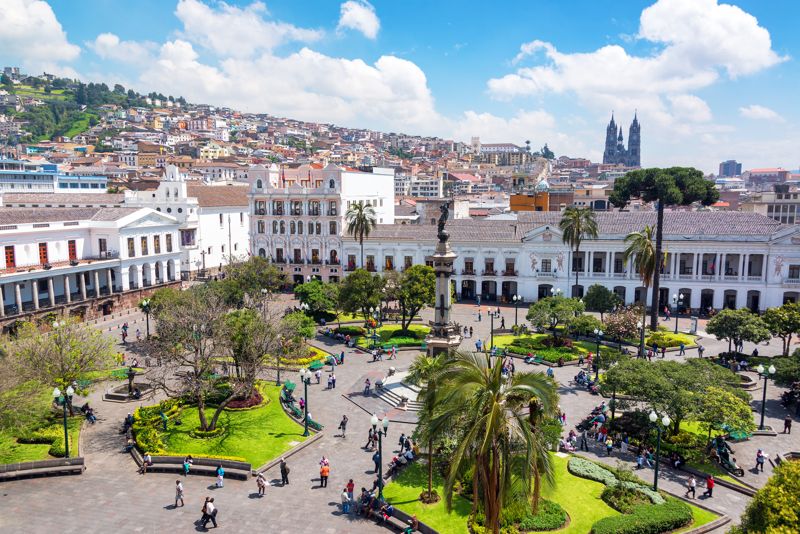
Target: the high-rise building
pixel 730 168
pixel 615 151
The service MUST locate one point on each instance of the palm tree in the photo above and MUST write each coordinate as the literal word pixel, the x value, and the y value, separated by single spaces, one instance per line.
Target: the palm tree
pixel 643 250
pixel 424 372
pixel 496 434
pixel 577 224
pixel 361 220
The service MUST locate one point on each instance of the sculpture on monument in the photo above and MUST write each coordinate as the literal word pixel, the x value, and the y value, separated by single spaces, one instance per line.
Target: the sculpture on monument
pixel 444 335
pixel 445 209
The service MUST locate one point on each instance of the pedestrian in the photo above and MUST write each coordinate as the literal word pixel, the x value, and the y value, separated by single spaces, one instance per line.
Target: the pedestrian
pixel 760 457
pixel 370 439
pixel 341 358
pixel 138 335
pixel 479 316
pixel 787 424
pixel 367 385
pixel 330 382
pixel 584 442
pixel 478 345
pixel 709 486
pixel 345 502
pixel 350 488
pixel 401 442
pixel 376 459
pixel 502 323
pixel 324 471
pixel 691 487
pixel 700 350
pixel 333 380
pixel 209 513
pixel 187 464
pixel 220 476
pixel 261 482
pixel 178 493
pixel 318 375
pixel 470 331
pixel 284 472
pixel 663 352
pixel 343 425
pixel 609 446
pixel 683 349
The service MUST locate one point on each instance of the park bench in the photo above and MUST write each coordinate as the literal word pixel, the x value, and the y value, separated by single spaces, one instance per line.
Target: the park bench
pixel 200 466
pixel 59 466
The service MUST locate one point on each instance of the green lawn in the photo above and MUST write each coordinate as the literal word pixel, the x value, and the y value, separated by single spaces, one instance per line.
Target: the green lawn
pixel 79 126
pixel 257 435
pixel 12 451
pixel 533 343
pixel 404 492
pixel 387 332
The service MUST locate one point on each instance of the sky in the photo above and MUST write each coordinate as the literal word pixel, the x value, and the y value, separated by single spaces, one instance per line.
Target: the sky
pixel 710 81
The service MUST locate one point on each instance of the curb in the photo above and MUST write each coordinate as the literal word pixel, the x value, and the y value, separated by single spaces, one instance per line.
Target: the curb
pixel 297 448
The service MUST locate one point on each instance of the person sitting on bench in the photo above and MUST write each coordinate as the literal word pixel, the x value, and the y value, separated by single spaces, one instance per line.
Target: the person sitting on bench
pixel 147 461
pixel 386 511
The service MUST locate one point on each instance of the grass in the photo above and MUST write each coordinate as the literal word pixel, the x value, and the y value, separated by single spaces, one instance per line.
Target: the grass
pixel 258 435
pixel 12 451
pixel 387 333
pixel 79 126
pixel 700 517
pixel 404 493
pixel 551 354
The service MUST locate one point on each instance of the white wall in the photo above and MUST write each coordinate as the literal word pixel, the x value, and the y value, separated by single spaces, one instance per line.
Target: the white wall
pixel 378 189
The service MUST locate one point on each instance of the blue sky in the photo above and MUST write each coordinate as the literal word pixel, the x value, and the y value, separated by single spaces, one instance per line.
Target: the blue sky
pixel 710 80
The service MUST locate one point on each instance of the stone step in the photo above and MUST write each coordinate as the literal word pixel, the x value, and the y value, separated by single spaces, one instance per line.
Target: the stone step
pixel 395 400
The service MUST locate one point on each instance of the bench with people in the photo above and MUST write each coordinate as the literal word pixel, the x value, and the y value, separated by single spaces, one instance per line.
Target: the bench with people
pixel 196 466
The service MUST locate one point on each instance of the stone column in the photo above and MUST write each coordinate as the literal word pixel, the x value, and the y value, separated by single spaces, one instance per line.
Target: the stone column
pixel 35 293
pixel 2 302
pixel 82 284
pixel 138 275
pixel 176 269
pixel 18 296
pixel 125 278
pixel 97 284
pixel 51 292
pixel 609 261
pixel 67 290
pixel 110 282
pixel 743 272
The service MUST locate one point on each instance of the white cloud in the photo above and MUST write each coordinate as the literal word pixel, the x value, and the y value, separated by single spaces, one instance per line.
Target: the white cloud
pixel 689 108
pixel 109 46
pixel 31 34
pixel 360 16
pixel 231 31
pixel 757 112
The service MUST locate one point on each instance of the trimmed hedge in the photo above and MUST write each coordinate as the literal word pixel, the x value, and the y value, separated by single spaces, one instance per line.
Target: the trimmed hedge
pixel 350 330
pixel 516 517
pixel 206 434
pixel 583 468
pixel 647 519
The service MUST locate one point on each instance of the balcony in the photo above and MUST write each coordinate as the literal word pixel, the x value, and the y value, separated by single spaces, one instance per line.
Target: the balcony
pixel 371 268
pixel 468 272
pixel 546 274
pixel 731 277
pixel 297 261
pixel 282 261
pixel 333 213
pixel 489 272
pixel 350 267
pixel 686 276
pixel 277 212
pixel 332 262
pixel 510 272
pixel 752 278
pixel 316 261
pixel 296 213
pixel 619 275
pixel 261 211
pixel 791 282
pixel 314 213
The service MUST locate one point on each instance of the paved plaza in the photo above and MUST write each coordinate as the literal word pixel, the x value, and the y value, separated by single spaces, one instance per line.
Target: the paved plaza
pixel 111 497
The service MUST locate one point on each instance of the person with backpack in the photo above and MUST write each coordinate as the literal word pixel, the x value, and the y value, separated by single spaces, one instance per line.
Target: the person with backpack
pixel 209 513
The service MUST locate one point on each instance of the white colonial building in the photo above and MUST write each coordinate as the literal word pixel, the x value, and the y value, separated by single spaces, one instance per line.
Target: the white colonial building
pixel 714 259
pixel 298 214
pixel 63 256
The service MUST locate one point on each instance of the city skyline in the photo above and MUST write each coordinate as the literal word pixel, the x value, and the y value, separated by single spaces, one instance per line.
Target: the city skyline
pixel 708 80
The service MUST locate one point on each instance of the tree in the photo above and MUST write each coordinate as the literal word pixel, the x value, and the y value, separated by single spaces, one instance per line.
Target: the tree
pixel 417 289
pixel 719 409
pixel 497 435
pixel 680 186
pixel 360 291
pixel 361 220
pixel 5 80
pixel 643 251
pixel 552 311
pixel 576 225
pixel 120 90
pixel 249 279
pixel 320 297
pixel 774 508
pixel 622 323
pixel 783 322
pixel 738 325
pixel 600 299
pixel 299 324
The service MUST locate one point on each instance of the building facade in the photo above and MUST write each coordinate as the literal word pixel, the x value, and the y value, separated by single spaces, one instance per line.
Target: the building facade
pixel 730 168
pixel 615 151
pixel 18 176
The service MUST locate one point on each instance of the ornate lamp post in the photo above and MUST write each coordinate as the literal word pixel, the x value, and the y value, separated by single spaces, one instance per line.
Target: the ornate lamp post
pixel 517 299
pixel 676 300
pixel 67 395
pixel 764 374
pixel 640 326
pixel 598 335
pixel 665 421
pixel 144 305
pixel 305 377
pixel 385 424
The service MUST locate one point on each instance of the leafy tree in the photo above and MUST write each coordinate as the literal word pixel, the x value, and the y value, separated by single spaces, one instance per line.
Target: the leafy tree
pixel 119 89
pixel 360 291
pixel 775 508
pixel 783 322
pixel 5 80
pixel 622 323
pixel 680 186
pixel 416 290
pixel 497 436
pixel 738 325
pixel 718 409
pixel 787 370
pixel 361 219
pixel 576 225
pixel 553 311
pixel 319 296
pixel 299 324
pixel 600 299
pixel 249 279
pixel 643 251
pixel 585 325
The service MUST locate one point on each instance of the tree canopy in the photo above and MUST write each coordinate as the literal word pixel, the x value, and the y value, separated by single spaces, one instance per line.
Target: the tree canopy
pixel 600 299
pixel 775 508
pixel 783 322
pixel 319 296
pixel 553 311
pixel 738 325
pixel 416 289
pixel 360 291
pixel 249 279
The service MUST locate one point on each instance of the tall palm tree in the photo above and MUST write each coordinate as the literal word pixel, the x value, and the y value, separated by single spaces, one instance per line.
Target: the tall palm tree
pixel 642 248
pixel 576 225
pixel 361 220
pixel 424 371
pixel 496 434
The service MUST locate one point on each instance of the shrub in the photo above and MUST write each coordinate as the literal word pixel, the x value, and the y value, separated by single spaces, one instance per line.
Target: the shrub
pixel 775 507
pixel 647 519
pixel 551 516
pixel 206 434
pixel 583 468
pixel 668 339
pixel 250 402
pixel 517 517
pixel 350 330
pixel 623 499
pixel 585 325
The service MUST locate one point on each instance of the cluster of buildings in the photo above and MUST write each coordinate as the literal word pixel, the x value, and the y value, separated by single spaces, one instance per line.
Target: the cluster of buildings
pixel 153 195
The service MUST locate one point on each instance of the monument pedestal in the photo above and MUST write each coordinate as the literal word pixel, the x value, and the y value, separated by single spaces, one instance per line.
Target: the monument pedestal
pixel 444 336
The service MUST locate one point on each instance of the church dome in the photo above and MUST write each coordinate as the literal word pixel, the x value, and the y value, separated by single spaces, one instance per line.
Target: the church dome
pixel 542 186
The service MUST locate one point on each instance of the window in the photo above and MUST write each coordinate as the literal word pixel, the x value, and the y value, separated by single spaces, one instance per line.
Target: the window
pixel 42 253
pixel 72 250
pixel 274 227
pixel 331 184
pixel 319 228
pixel 794 272
pixel 298 258
pixel 283 227
pixel 260 227
pixel 510 267
pixel 169 242
pixel 315 255
pixel 332 228
pixel 370 262
pixel 209 250
pixel 259 184
pixel 221 224
pixel 156 244
pixel 279 255
pixel 241 218
pixel 11 260
pixel 388 263
pixel 145 252
pixel 546 266
pixel 311 228
pixel 351 262
pixel 236 246
pixel 292 227
pixel 332 207
pixel 223 249
pixel 188 237
pixel 102 245
pixel 408 261
pixel 131 248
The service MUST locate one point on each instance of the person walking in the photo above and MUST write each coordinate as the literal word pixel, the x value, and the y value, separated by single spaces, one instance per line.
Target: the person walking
pixel 709 486
pixel 691 487
pixel 220 476
pixel 341 358
pixel 324 471
pixel 284 472
pixel 787 424
pixel 209 513
pixel 333 380
pixel 760 457
pixel 178 493
pixel 470 331
pixel 682 349
pixel 318 375
pixel 376 459
pixel 345 501
pixel 700 350
pixel 609 446
pixel 367 385
pixel 351 486
pixel 584 441
pixel 343 426
pixel 502 323
pixel 261 483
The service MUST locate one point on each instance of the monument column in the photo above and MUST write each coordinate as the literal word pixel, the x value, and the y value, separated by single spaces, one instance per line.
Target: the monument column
pixel 445 336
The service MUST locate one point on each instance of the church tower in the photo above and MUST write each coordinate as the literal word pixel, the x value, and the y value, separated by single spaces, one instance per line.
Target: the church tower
pixel 634 144
pixel 610 153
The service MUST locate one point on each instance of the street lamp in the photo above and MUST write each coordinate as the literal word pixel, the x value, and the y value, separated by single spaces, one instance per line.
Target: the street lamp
pixel 764 374
pixel 67 395
pixel 517 299
pixel 665 421
pixel 598 334
pixel 640 326
pixel 305 377
pixel 144 305
pixel 385 425
pixel 676 299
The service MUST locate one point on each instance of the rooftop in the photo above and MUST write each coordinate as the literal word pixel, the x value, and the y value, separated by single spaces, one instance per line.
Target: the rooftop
pixel 37 215
pixel 218 196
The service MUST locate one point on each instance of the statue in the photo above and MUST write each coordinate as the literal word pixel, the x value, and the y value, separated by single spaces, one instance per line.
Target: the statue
pixel 445 209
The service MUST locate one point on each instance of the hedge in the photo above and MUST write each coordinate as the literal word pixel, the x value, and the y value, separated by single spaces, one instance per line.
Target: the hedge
pixel 583 468
pixel 647 519
pixel 516 517
pixel 350 330
pixel 206 434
